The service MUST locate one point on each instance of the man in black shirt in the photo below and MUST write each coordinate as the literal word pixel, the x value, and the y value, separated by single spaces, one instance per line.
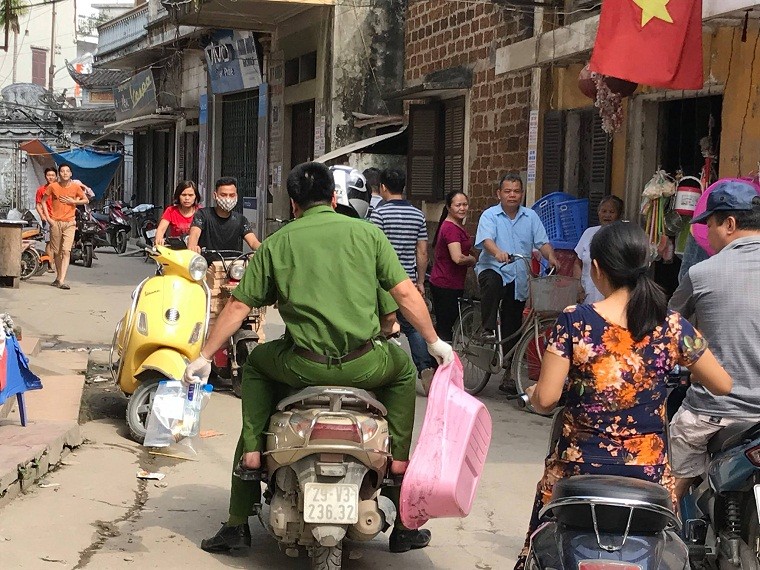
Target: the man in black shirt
pixel 221 228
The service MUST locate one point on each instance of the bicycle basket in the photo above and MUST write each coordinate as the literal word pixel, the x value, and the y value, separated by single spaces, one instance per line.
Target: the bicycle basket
pixel 553 293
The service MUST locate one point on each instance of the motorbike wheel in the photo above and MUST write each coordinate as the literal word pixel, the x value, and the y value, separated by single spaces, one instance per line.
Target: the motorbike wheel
pixel 87 254
pixel 750 557
pixel 475 379
pixel 138 409
pixel 327 557
pixel 120 241
pixel 237 380
pixel 30 264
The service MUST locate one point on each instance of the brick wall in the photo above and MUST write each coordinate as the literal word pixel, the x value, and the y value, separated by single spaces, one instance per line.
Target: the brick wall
pixel 441 34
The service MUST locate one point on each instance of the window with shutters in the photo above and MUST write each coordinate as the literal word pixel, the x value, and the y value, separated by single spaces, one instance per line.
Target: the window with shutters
pixel 553 151
pixel 39 66
pixel 435 159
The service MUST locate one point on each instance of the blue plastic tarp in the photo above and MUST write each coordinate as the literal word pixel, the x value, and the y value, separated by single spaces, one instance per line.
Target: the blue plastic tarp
pixel 93 168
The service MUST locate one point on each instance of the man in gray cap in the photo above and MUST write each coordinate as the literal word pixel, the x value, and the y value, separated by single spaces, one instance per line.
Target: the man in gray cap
pixel 721 296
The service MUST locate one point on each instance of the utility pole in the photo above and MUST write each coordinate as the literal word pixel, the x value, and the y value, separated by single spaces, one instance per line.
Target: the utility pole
pixel 51 69
pixel 15 54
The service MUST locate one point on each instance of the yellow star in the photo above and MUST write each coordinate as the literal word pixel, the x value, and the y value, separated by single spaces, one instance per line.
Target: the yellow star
pixel 653 9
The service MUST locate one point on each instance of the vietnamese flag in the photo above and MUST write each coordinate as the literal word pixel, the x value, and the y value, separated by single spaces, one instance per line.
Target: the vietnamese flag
pixel 652 42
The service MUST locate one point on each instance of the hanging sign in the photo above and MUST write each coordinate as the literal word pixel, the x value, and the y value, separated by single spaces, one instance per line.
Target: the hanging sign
pixel 232 61
pixel 136 96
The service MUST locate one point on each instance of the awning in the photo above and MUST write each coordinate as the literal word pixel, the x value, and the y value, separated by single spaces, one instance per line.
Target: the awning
pixel 145 120
pixel 430 90
pixel 388 143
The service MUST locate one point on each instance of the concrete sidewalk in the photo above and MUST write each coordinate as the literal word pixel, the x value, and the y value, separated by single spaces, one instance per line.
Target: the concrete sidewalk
pixel 28 453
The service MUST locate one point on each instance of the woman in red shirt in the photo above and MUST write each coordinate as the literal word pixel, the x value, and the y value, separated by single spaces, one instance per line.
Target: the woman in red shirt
pixel 178 217
pixel 452 245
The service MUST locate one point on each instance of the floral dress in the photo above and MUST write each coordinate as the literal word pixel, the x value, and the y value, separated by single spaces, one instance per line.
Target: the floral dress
pixel 615 396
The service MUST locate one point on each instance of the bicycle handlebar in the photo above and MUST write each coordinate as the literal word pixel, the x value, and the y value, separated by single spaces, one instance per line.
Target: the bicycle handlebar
pixel 515 256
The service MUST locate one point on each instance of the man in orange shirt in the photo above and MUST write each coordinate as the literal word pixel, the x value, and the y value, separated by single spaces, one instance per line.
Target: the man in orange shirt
pixel 65 197
pixel 51 175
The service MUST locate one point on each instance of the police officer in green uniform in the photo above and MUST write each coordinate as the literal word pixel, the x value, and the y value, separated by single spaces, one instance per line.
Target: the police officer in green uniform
pixel 322 270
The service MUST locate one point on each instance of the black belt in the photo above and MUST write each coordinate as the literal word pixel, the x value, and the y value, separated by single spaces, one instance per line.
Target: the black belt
pixel 324 359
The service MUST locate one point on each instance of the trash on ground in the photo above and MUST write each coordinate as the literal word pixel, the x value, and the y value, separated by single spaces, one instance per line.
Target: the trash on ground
pixel 206 433
pixel 48 559
pixel 174 455
pixel 143 474
pixel 45 485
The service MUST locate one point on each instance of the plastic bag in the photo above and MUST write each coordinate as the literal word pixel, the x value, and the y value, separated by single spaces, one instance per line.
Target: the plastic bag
pixel 175 415
pixel 445 468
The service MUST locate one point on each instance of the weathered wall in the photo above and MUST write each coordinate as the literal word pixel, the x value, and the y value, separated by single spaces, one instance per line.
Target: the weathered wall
pixel 194 78
pixel 367 64
pixel 441 35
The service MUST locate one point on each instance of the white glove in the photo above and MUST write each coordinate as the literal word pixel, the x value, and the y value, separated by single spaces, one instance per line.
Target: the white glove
pixel 198 371
pixel 441 351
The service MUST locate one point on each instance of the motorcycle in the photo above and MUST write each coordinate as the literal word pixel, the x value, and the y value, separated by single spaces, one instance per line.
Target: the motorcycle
pixel 721 513
pixel 88 234
pixel 606 522
pixel 114 226
pixel 327 457
pixel 30 259
pixel 228 361
pixel 162 331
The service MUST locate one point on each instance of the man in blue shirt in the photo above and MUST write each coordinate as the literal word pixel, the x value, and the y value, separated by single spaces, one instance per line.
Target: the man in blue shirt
pixel 504 229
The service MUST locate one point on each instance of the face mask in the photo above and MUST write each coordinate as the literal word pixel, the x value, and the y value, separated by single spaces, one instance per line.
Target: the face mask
pixel 226 204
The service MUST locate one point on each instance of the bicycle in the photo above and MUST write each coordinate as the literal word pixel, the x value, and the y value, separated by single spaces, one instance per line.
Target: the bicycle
pixel 549 295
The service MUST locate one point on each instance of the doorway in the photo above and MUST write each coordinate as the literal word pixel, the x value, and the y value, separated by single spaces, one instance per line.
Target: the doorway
pixel 302 133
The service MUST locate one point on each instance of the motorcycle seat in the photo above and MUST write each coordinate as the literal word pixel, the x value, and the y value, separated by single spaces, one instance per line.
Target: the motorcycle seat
pixel 342 397
pixel 732 435
pixel 613 498
pixel 101 217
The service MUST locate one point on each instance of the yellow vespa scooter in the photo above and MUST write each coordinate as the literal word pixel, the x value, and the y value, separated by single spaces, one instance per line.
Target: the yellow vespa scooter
pixel 161 332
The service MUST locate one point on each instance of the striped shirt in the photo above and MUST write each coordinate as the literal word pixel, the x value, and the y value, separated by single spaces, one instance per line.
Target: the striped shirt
pixel 404 225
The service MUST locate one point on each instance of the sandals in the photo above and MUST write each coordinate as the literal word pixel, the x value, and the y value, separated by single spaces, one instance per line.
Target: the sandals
pixel 64 286
pixel 55 283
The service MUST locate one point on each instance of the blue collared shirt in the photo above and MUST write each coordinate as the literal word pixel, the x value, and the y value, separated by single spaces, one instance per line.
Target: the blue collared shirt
pixel 521 235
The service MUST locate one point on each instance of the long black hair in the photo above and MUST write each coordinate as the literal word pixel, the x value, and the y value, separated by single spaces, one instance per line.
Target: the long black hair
pixel 622 251
pixel 449 199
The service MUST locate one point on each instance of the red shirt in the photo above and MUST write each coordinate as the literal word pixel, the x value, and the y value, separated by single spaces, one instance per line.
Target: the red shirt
pixel 179 225
pixel 446 274
pixel 38 198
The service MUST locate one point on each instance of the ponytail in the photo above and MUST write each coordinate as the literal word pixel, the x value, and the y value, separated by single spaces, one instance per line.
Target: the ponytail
pixel 647 305
pixel 622 251
pixel 444 213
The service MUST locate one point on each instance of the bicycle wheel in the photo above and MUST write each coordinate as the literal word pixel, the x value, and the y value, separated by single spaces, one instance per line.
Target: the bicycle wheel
pixel 475 379
pixel 526 363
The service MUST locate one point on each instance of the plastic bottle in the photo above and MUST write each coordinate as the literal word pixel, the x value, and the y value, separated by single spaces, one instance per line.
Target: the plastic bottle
pixel 195 396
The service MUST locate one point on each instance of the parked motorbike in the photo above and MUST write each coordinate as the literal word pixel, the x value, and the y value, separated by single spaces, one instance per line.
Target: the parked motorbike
pixel 228 361
pixel 88 233
pixel 327 457
pixel 606 522
pixel 114 226
pixel 162 331
pixel 30 259
pixel 721 513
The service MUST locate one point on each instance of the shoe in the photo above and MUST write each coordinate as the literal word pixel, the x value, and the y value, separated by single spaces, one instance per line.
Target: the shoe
pixel 487 337
pixel 228 538
pixel 405 540
pixel 56 283
pixel 63 286
pixel 508 387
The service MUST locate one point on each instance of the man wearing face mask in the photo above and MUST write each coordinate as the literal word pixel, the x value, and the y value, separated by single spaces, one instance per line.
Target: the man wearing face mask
pixel 220 227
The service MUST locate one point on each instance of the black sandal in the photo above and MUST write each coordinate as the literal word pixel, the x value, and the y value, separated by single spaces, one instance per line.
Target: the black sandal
pixel 64 286
pixel 246 474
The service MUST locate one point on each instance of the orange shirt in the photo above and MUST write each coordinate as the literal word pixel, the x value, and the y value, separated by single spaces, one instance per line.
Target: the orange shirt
pixel 64 212
pixel 40 193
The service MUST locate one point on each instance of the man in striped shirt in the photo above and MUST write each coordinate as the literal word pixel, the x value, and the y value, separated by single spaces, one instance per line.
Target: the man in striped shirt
pixel 404 226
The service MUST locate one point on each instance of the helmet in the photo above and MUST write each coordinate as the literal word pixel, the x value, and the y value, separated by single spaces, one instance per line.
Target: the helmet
pixel 350 191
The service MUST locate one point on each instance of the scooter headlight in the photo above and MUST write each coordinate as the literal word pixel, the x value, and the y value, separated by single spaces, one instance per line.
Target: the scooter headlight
pixel 236 271
pixel 197 268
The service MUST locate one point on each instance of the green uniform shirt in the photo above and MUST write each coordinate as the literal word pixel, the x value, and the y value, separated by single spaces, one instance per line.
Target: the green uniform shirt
pixel 323 269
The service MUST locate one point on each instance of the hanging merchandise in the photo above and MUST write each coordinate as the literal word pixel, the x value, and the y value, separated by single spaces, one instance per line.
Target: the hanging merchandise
pixel 655 199
pixel 687 195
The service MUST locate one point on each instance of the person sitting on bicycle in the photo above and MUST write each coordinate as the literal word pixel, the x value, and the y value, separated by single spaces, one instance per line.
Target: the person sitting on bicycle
pixel 611 360
pixel 505 229
pixel 178 217
pixel 220 227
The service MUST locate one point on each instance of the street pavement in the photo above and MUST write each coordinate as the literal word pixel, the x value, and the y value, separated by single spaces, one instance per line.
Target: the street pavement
pixel 93 512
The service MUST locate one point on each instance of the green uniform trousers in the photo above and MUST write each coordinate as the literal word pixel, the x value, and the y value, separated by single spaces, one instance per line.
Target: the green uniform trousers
pixel 273 370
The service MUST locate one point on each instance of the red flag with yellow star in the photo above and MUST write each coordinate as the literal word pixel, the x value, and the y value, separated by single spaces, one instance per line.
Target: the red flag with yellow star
pixel 652 42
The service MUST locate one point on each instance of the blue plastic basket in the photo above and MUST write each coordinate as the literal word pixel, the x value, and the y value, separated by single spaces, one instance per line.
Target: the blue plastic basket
pixel 573 217
pixel 546 208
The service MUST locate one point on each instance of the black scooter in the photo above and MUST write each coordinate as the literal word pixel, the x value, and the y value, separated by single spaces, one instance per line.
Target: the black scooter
pixel 83 248
pixel 605 522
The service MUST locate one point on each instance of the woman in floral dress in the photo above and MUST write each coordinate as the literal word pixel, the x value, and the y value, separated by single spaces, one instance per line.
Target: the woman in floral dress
pixel 611 360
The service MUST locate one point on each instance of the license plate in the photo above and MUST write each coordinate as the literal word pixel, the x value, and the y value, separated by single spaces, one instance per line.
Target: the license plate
pixel 330 503
pixel 151 233
pixel 757 500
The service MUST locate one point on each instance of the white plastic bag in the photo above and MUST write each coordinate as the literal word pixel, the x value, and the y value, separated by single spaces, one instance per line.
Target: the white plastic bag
pixel 174 418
